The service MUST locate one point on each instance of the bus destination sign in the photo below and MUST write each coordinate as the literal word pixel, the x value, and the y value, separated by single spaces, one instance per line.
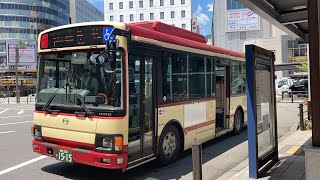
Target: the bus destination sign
pixel 77 36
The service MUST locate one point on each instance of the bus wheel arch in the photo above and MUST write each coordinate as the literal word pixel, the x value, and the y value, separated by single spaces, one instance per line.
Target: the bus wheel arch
pixel 173 127
pixel 238 120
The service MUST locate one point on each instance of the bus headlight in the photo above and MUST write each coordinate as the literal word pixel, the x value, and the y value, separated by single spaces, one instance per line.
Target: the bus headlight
pixel 36 131
pixel 109 143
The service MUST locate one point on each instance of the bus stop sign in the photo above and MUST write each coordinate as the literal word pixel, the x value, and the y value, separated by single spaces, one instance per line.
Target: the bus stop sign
pixel 261 102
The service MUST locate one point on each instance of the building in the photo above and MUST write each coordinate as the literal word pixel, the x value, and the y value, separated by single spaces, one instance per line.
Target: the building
pixel 174 12
pixel 235 26
pixel 22 20
pixel 83 11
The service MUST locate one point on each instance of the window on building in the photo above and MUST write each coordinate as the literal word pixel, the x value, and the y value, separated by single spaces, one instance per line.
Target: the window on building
pixel 151 16
pixel 183 2
pixel 183 13
pixel 151 3
pixel 111 18
pixel 121 18
pixel 171 2
pixel 243 35
pixel 234 4
pixel 172 14
pixel 120 5
pixel 183 26
pixel 110 6
pixel 130 4
pixel 140 4
pixel 131 17
pixel 161 3
pixel 161 15
pixel 141 17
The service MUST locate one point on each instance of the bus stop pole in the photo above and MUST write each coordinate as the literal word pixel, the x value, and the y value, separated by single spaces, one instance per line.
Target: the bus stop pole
pixel 197 161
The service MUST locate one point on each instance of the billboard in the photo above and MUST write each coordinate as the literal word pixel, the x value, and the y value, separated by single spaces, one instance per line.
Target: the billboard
pixel 22 51
pixel 242 20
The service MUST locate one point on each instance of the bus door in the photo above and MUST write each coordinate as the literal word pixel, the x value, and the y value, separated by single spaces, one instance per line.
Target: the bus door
pixel 141 109
pixel 222 96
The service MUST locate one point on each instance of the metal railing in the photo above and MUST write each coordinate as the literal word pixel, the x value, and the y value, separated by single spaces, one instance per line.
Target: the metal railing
pixel 302 111
pixel 304 94
pixel 27 99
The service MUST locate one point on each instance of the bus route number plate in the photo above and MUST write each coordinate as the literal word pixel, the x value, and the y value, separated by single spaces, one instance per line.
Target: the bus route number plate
pixel 64 155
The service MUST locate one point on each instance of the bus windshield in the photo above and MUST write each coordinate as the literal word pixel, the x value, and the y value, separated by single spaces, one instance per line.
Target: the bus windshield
pixel 68 76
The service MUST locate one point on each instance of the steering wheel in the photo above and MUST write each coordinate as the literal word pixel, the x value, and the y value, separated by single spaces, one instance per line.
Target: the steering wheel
pixel 105 97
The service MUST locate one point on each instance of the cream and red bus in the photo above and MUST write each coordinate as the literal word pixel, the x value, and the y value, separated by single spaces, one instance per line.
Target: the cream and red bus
pixel 117 95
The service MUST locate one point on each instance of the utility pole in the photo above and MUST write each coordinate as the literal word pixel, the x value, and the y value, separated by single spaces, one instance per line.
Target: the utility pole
pixel 17 83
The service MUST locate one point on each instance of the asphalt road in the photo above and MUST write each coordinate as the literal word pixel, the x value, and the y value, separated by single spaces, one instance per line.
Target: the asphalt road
pixel 17 161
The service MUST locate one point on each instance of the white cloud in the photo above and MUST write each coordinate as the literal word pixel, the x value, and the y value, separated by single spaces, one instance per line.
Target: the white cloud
pixel 210 7
pixel 202 18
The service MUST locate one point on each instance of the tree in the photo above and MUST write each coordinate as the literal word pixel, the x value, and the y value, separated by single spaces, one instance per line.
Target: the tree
pixel 303 66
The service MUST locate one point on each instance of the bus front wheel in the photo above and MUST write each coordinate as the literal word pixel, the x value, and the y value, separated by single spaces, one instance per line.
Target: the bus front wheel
pixel 169 146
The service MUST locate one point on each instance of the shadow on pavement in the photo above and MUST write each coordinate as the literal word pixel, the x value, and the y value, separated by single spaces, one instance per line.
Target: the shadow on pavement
pixel 151 170
pixel 291 163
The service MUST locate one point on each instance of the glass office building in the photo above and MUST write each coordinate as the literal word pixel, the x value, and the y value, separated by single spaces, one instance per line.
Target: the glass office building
pixel 24 20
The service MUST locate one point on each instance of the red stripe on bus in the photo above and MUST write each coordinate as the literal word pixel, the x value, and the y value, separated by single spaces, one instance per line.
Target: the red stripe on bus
pixel 197 126
pixel 236 95
pixel 230 116
pixel 68 143
pixel 184 103
pixel 74 115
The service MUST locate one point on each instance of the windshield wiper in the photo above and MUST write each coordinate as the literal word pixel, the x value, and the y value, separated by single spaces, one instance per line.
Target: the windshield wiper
pixel 45 108
pixel 87 111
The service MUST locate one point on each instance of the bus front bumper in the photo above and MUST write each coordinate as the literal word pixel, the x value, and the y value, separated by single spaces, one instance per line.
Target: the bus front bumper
pixel 83 156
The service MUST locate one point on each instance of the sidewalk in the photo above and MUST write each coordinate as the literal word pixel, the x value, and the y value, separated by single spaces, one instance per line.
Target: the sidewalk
pixel 291 163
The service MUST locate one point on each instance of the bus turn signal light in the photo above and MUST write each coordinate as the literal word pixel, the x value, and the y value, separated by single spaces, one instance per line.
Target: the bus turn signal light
pixel 32 130
pixel 118 143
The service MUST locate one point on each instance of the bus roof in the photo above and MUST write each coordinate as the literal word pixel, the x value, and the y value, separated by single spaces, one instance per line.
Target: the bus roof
pixel 170 34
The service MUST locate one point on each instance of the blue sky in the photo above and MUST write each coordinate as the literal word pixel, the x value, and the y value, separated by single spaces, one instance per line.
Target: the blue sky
pixel 202 9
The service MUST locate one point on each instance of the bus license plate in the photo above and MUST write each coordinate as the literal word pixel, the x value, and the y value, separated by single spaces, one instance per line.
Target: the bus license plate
pixel 64 155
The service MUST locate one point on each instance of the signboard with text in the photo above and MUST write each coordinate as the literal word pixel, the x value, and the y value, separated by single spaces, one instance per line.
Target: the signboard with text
pixel 7 82
pixel 242 20
pixel 24 52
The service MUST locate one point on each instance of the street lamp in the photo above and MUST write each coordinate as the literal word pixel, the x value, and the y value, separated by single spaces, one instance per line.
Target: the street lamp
pixel 16 63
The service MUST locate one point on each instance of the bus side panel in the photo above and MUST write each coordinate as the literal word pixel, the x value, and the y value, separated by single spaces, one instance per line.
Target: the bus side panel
pixel 235 102
pixel 207 131
pixel 166 114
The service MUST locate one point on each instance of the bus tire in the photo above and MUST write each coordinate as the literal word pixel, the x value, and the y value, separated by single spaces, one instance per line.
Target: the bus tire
pixel 238 119
pixel 169 146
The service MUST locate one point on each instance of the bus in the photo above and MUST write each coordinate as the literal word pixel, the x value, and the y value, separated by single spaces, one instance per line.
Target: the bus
pixel 117 95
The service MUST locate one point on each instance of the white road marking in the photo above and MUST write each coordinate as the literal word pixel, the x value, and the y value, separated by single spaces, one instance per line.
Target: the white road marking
pixel 3 111
pixel 21 165
pixel 21 112
pixel 15 123
pixel 6 132
pixel 14 116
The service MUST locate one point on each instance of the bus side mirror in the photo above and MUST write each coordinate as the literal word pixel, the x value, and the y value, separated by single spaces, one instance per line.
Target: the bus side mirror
pixel 111 56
